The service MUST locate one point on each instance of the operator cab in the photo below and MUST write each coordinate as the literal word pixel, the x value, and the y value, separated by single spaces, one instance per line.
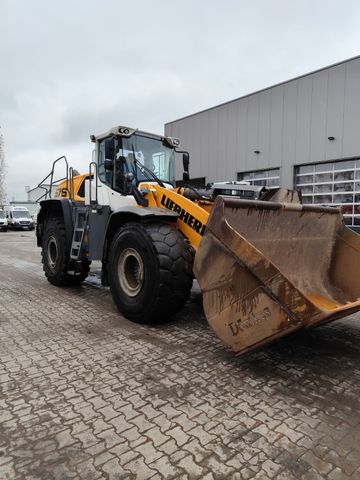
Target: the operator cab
pixel 127 157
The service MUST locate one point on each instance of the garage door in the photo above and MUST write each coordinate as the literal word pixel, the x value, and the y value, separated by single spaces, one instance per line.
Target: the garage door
pixel 269 178
pixel 335 183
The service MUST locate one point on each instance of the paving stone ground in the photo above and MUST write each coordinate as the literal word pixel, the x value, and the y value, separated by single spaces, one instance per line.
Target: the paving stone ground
pixel 86 394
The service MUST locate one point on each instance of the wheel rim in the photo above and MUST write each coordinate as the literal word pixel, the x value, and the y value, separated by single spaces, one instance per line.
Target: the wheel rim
pixel 131 272
pixel 52 252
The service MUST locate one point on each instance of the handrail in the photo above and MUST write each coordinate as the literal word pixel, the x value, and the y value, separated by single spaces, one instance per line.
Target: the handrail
pixel 71 174
pixel 93 175
pixel 53 168
pixel 50 178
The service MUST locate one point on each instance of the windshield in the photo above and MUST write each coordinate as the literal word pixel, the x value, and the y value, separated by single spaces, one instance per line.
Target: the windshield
pixel 151 152
pixel 2 214
pixel 20 214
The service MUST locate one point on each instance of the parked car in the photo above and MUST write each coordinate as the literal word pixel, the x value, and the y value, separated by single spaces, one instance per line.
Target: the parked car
pixel 18 218
pixel 3 221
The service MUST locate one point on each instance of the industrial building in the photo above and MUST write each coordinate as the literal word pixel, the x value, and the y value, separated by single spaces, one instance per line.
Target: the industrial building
pixel 303 133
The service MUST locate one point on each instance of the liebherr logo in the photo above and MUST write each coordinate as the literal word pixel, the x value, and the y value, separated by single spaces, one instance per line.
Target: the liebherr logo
pixel 185 216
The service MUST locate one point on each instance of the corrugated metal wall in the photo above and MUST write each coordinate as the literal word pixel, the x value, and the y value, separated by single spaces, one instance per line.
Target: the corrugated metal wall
pixel 289 124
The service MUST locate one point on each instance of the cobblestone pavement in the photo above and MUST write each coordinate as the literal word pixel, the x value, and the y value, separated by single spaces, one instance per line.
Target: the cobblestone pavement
pixel 86 394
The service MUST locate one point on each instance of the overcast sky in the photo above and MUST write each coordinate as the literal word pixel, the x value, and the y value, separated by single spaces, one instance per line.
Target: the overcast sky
pixel 78 67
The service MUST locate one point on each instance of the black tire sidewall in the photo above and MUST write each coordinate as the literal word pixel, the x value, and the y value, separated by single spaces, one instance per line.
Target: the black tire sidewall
pixel 52 230
pixel 137 238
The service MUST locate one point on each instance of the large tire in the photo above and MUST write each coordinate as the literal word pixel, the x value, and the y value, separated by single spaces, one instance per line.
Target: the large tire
pixel 150 271
pixel 55 256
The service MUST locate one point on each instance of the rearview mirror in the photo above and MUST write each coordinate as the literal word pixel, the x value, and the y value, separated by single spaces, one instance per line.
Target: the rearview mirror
pixel 186 162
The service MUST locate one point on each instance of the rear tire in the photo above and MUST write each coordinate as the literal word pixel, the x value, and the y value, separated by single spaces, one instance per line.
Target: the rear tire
pixel 55 256
pixel 150 271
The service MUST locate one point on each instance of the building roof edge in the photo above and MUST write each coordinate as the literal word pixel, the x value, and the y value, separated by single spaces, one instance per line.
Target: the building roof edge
pixel 263 89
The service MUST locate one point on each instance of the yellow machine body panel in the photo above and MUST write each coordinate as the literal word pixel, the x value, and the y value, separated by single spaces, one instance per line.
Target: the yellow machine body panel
pixel 65 187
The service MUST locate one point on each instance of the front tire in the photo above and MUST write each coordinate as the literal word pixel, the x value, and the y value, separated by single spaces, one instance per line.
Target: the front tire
pixel 150 271
pixel 55 256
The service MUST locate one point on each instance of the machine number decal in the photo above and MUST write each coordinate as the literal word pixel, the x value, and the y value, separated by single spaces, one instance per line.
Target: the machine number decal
pixel 61 192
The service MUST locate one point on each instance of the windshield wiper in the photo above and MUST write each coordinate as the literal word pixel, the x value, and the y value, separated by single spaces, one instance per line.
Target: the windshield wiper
pixel 144 170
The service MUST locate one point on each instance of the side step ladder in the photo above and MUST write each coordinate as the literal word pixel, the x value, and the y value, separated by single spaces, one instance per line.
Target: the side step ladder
pixel 80 226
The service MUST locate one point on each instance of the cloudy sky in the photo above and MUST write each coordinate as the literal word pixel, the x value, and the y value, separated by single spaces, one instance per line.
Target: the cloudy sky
pixel 76 67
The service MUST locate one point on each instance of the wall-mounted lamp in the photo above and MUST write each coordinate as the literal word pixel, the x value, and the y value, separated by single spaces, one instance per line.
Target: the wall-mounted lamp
pixel 331 138
pixel 257 152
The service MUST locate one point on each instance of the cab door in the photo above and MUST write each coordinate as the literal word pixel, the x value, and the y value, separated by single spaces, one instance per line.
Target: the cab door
pixel 113 188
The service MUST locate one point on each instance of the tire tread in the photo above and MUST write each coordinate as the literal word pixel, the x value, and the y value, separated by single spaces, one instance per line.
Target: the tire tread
pixel 175 262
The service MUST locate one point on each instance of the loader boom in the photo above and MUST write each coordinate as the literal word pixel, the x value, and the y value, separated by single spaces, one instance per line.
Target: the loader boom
pixel 192 216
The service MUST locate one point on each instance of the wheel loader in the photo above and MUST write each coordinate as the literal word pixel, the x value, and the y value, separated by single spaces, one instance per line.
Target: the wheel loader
pixel 267 265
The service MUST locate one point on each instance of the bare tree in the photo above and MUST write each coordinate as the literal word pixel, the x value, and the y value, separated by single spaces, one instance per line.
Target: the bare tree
pixel 3 171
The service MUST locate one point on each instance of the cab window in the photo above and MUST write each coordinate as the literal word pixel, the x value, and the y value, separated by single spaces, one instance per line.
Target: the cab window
pixel 106 152
pixel 81 191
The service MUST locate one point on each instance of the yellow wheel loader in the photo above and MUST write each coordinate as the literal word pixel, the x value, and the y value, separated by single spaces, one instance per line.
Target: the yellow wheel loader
pixel 266 264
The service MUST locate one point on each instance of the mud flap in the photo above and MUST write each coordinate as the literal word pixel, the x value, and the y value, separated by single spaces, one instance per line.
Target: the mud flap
pixel 268 269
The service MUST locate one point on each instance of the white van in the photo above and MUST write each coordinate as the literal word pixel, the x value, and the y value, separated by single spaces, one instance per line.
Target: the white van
pixel 3 220
pixel 18 218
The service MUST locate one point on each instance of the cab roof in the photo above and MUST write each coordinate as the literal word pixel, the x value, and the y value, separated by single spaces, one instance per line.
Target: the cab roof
pixel 127 132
